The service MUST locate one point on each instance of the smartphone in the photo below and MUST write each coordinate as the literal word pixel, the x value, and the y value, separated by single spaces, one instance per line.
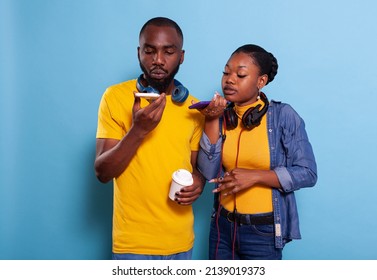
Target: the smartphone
pixel 200 105
pixel 147 95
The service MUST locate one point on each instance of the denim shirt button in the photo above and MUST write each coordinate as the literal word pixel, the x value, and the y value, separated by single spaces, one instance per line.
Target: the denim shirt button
pixel 210 157
pixel 270 130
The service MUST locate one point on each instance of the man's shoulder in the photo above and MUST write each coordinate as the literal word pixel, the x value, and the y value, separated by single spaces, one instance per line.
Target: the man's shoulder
pixel 129 85
pixel 120 90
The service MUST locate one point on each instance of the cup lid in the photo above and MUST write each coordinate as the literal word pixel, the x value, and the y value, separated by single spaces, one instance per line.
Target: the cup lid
pixel 183 177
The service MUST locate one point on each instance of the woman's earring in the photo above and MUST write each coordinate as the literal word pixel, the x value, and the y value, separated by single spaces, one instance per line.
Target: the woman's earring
pixel 258 97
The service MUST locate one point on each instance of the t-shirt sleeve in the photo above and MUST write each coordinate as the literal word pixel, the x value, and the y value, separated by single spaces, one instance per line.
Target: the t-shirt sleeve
pixel 108 126
pixel 199 125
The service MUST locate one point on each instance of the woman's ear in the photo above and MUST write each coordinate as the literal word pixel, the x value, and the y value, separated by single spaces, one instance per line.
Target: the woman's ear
pixel 262 81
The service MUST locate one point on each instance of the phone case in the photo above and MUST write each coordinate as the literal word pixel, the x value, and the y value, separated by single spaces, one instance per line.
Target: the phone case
pixel 200 105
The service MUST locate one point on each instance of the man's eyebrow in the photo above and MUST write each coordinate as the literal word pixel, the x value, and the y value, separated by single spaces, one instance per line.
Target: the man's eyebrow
pixel 148 46
pixel 165 46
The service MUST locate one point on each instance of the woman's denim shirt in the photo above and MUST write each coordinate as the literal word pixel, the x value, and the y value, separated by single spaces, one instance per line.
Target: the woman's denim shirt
pixel 291 157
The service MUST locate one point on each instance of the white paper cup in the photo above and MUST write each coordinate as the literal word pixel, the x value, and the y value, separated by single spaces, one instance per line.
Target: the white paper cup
pixel 181 178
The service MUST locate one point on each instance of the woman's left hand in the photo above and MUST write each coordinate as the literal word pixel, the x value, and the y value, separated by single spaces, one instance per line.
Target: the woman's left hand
pixel 236 180
pixel 216 108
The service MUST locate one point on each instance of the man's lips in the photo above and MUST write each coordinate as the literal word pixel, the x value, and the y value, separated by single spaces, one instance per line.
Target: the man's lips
pixel 158 74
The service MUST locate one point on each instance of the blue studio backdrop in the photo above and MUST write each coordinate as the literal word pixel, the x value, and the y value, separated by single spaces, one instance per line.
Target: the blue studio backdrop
pixel 58 56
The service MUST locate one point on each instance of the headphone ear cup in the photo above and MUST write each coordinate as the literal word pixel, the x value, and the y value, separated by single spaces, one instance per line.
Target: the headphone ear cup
pixel 231 118
pixel 252 117
pixel 141 88
pixel 179 94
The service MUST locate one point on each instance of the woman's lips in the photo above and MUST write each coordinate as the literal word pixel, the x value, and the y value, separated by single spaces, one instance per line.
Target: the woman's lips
pixel 229 90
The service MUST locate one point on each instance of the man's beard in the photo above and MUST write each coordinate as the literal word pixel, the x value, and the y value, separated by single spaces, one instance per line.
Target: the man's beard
pixel 160 85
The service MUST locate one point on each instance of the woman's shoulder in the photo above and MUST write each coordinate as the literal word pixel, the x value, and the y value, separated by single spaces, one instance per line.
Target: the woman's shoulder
pixel 281 106
pixel 285 111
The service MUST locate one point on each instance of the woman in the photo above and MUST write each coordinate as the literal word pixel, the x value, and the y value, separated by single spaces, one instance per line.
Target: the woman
pixel 258 154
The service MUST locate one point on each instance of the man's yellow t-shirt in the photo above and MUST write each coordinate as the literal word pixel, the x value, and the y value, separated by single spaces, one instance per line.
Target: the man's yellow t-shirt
pixel 145 220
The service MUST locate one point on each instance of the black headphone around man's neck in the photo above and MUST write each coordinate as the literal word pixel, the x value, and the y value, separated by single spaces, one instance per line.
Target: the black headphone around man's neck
pixel 250 119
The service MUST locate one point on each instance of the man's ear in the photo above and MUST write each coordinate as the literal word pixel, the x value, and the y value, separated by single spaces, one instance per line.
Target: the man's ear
pixel 182 57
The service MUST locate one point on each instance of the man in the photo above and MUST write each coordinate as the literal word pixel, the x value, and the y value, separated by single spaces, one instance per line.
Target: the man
pixel 140 143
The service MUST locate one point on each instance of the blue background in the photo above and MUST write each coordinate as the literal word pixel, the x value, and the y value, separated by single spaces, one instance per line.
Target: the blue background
pixel 58 57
